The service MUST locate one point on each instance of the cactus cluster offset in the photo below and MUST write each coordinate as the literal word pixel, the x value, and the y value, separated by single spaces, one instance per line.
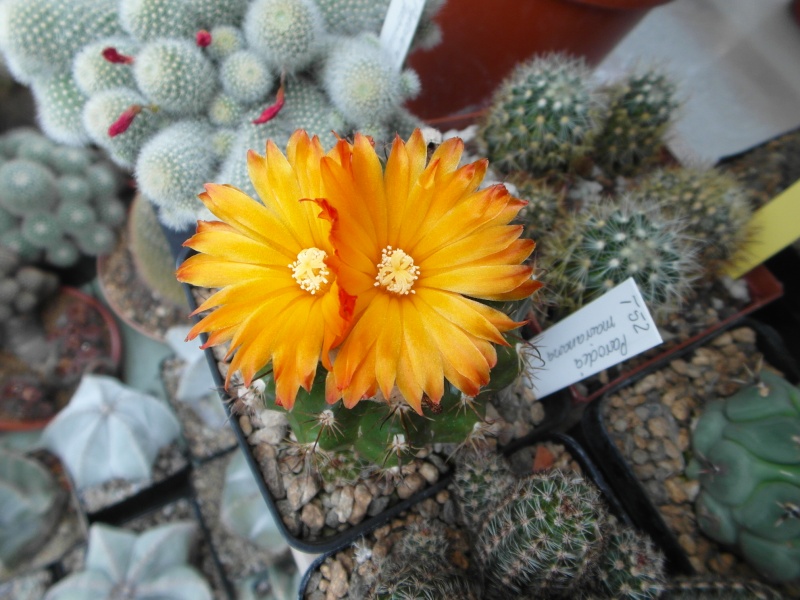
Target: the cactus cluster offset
pixel 22 287
pixel 609 242
pixel 221 78
pixel 542 117
pixel 747 459
pixel 57 203
pixel 713 206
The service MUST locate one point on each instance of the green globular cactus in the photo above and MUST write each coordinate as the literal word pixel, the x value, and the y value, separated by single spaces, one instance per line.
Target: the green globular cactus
pixel 176 76
pixel 94 73
pixel 172 168
pixel 102 177
pixel 74 188
pixel 702 587
pixel 95 239
pixel 151 253
pixel 225 110
pixel 747 459
pixel 545 205
pixel 630 568
pixel 68 160
pixel 245 77
pixel 288 34
pixel 219 12
pixel 31 502
pixel 109 431
pixel 608 242
pixel 241 509
pixel 147 20
pixel 482 480
pixel 104 109
pixel 36 148
pixel 110 211
pixel 542 117
pixel 712 205
pixel 225 40
pixel 41 230
pixel 123 564
pixel 362 83
pixel 639 112
pixel 60 105
pixel 63 254
pixel 26 187
pixel 543 539
pixel 419 566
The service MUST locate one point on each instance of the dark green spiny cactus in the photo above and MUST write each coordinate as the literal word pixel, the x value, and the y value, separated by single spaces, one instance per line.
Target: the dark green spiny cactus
pixel 631 568
pixel 710 588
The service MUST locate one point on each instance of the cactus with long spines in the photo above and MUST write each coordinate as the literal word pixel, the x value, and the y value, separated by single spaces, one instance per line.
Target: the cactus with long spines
pixel 747 460
pixel 56 202
pixel 126 73
pixel 640 110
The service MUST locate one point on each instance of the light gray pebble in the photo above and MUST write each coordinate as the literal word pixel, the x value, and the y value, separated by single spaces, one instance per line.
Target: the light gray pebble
pixel 313 517
pixel 410 485
pixel 289 516
pixel 361 500
pixel 640 456
pixel 344 506
pixel 378 505
pixel 300 491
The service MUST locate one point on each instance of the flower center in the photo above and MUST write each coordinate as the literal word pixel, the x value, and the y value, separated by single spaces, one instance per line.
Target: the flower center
pixel 309 270
pixel 396 271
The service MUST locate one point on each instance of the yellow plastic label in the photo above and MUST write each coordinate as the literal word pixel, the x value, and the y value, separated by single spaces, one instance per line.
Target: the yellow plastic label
pixel 774 226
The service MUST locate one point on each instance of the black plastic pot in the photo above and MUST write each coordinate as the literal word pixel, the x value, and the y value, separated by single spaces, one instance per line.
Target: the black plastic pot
pixel 593 435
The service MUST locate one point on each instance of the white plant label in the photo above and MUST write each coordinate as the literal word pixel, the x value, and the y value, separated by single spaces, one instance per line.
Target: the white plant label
pixel 610 330
pixel 398 28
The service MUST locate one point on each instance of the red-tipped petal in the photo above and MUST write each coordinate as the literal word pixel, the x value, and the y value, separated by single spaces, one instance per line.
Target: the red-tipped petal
pixel 272 111
pixel 124 121
pixel 113 56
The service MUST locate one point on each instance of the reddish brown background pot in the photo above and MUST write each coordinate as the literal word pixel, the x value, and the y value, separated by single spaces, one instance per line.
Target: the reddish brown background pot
pixel 482 41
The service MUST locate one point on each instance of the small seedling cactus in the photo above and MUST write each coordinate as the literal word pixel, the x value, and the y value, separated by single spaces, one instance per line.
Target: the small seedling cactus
pixel 31 503
pixel 242 510
pixel 542 117
pixel 108 431
pixel 609 241
pixel 712 205
pixel 56 203
pixel 640 110
pixel 178 92
pixel 123 564
pixel 747 459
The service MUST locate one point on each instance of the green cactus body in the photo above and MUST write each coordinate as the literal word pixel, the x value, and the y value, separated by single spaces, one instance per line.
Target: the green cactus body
pixel 418 566
pixel 105 108
pixel 747 459
pixel 288 34
pixel 241 508
pixel 362 83
pixel 225 40
pixel 122 564
pixel 74 188
pixel 713 206
pixel 176 76
pixel 14 241
pixel 212 13
pixel 173 166
pixel 482 480
pixel 308 108
pixel 110 212
pixel 245 77
pixel 151 254
pixel 545 206
pixel 68 160
pixel 631 568
pixel 542 117
pixel 36 148
pixel 147 20
pixel 639 112
pixel 26 187
pixel 109 430
pixel 60 105
pixel 103 180
pixel 544 538
pixel 608 242
pixel 63 254
pixel 31 504
pixel 709 588
pixel 41 229
pixel 93 73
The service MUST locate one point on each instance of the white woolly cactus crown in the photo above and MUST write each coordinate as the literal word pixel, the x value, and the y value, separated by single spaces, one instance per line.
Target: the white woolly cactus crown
pixel 109 430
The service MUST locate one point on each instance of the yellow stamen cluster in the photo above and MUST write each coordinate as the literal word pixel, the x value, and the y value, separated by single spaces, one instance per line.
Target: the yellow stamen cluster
pixel 309 270
pixel 396 271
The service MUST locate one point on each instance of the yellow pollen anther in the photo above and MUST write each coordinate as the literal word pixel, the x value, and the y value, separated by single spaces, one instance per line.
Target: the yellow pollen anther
pixel 310 270
pixel 396 271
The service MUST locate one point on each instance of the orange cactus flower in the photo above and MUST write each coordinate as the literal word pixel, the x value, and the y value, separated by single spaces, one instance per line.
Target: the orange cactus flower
pixel 279 299
pixel 419 244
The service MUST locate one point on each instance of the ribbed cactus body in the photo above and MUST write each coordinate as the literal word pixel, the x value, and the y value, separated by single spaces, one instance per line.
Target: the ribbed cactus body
pixel 544 538
pixel 609 242
pixel 747 459
pixel 288 34
pixel 31 504
pixel 482 480
pixel 631 567
pixel 122 564
pixel 68 160
pixel 225 40
pixel 109 430
pixel 41 229
pixel 544 207
pixel 542 117
pixel 639 112
pixel 712 205
pixel 242 510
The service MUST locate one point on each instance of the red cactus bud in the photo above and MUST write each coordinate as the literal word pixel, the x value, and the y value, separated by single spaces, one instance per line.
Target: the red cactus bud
pixel 113 56
pixel 272 111
pixel 203 38
pixel 124 121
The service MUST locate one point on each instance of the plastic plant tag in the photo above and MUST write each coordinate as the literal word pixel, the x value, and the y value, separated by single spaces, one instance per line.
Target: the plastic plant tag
pixel 399 27
pixel 611 329
pixel 774 226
